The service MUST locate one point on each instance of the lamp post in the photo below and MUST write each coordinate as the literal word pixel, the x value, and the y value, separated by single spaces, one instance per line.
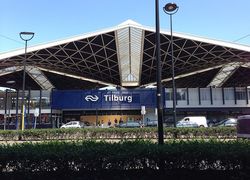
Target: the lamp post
pixel 26 36
pixel 158 72
pixel 170 9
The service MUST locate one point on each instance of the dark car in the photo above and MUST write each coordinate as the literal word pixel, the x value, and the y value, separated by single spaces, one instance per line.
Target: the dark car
pixel 211 122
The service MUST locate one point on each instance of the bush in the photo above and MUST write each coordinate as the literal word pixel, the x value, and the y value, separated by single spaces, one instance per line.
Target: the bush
pixel 130 156
pixel 118 133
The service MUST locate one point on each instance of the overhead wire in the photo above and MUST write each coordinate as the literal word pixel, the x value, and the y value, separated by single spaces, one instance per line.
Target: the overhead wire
pixel 243 37
pixel 6 37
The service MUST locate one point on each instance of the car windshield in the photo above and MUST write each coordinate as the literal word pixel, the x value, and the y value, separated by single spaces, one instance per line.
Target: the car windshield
pixel 231 121
pixel 226 121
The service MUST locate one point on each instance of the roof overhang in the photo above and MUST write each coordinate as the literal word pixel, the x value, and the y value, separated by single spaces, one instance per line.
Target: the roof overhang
pixel 124 55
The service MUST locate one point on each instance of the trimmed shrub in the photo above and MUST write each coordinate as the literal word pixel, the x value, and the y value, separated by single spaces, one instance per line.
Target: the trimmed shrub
pixel 118 133
pixel 196 159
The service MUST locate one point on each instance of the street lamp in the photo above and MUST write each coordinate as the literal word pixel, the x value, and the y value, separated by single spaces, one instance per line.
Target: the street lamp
pixel 26 36
pixel 170 9
pixel 158 72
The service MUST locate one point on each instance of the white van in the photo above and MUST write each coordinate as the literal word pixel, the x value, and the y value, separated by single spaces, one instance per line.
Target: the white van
pixel 198 121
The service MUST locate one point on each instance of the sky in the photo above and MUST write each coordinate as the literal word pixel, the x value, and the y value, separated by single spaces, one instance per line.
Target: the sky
pixel 52 20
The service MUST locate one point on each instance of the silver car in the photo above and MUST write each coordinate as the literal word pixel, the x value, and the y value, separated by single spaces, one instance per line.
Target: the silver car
pixel 73 124
pixel 130 124
pixel 230 122
pixel 152 123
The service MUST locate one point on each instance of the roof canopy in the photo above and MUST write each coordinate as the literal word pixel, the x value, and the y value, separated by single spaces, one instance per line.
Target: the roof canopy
pixel 125 56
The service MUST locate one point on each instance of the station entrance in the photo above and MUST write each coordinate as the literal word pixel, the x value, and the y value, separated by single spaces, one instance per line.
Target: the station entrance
pixel 98 117
pixel 95 107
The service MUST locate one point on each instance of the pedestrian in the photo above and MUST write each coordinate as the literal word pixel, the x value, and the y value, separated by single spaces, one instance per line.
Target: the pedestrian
pixel 102 125
pixel 116 122
pixel 109 123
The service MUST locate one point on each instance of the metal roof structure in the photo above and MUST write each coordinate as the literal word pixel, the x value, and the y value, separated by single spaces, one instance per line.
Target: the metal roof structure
pixel 124 56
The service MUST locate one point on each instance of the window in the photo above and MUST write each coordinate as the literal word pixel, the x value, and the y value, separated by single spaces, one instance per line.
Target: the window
pixel 34 99
pixel 181 94
pixel 217 93
pixel 229 93
pixel 240 93
pixel 205 94
pixel 1 103
pixel 248 90
pixel 168 94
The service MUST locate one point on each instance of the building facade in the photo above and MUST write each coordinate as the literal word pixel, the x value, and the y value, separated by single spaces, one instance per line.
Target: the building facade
pixel 211 76
pixel 52 108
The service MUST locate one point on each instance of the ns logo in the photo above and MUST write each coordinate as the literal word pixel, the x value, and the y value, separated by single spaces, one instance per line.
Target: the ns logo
pixel 92 98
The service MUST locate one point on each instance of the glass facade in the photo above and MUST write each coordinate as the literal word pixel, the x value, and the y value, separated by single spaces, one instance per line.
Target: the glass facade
pixel 205 94
pixel 229 93
pixel 34 99
pixel 10 108
pixel 40 101
pixel 2 98
pixel 45 100
pixel 217 94
pixel 181 94
pixel 240 93
pixel 168 94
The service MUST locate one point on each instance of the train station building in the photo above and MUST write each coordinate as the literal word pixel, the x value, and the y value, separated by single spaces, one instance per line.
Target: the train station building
pixel 111 74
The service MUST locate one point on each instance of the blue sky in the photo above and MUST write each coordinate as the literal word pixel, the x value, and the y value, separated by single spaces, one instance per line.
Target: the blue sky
pixel 59 19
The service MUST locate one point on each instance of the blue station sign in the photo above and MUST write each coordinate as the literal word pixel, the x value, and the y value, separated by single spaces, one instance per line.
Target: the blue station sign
pixel 103 99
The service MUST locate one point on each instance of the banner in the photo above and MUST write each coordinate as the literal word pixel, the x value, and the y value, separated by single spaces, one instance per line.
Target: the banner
pixel 103 99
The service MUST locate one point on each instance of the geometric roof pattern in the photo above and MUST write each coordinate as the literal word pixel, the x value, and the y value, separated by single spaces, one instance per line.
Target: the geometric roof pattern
pixel 192 81
pixel 124 55
pixel 16 78
pixel 240 77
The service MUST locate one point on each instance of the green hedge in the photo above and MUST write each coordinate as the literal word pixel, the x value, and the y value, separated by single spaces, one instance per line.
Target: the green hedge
pixel 118 133
pixel 88 156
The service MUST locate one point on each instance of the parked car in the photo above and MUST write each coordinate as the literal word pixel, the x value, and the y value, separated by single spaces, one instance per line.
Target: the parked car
pixel 130 124
pixel 229 122
pixel 152 123
pixel 73 124
pixel 211 122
